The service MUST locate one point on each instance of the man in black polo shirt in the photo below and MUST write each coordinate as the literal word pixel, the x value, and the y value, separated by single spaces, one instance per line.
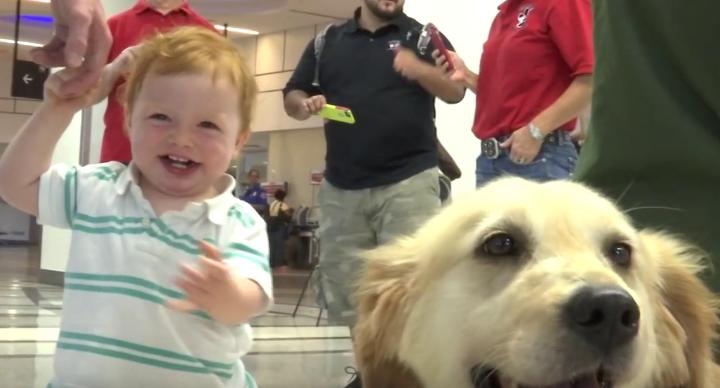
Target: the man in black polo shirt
pixel 381 177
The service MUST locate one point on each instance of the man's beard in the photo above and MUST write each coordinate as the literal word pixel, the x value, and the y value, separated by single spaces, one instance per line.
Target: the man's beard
pixel 375 8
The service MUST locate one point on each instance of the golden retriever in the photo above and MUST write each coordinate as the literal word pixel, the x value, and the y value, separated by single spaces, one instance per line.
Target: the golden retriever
pixel 530 285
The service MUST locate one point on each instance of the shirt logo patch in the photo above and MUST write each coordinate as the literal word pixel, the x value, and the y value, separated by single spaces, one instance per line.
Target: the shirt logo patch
pixel 523 16
pixel 393 45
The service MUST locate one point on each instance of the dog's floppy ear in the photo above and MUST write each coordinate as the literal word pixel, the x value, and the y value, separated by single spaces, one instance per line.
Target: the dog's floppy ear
pixel 687 315
pixel 384 294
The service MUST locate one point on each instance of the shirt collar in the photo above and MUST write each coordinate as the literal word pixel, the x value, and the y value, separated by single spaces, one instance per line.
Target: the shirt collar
pixel 127 178
pixel 353 25
pixel 142 6
pixel 216 208
pixel 507 4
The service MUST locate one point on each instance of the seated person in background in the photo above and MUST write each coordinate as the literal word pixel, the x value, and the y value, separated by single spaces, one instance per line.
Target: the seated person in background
pixel 255 195
pixel 279 216
pixel 164 262
pixel 293 250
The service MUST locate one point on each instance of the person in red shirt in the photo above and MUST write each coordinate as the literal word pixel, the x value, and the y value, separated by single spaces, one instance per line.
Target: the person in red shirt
pixel 128 28
pixel 535 78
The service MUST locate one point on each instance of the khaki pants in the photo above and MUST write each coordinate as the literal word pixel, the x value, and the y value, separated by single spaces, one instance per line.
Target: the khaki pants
pixel 352 221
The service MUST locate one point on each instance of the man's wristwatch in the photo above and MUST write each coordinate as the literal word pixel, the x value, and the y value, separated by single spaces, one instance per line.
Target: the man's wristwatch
pixel 535 132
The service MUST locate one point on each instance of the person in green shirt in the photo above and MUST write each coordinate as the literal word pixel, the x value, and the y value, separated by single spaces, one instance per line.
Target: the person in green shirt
pixel 654 142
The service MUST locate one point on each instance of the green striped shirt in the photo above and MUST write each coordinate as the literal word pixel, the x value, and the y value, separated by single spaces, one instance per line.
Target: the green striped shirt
pixel 123 264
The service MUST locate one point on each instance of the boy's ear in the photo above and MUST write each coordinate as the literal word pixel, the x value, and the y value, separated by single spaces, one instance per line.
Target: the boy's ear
pixel 242 138
pixel 126 123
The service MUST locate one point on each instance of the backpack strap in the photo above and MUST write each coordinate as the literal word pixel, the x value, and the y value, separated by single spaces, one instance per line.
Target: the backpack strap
pixel 319 46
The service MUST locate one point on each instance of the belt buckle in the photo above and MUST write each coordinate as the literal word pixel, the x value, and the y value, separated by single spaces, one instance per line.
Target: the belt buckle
pixel 555 137
pixel 551 138
pixel 490 148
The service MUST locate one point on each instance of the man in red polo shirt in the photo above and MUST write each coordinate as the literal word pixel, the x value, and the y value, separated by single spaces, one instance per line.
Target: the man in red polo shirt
pixel 535 79
pixel 128 28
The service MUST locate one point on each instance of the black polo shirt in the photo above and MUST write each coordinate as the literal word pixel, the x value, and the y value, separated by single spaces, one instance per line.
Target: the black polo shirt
pixel 394 134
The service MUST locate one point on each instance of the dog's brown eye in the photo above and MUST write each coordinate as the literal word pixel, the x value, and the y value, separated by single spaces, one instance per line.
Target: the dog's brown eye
pixel 620 253
pixel 501 244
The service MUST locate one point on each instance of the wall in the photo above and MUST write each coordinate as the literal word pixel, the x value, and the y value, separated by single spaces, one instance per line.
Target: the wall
pixel 55 242
pixel 13 112
pixel 273 58
pixel 295 147
pixel 292 156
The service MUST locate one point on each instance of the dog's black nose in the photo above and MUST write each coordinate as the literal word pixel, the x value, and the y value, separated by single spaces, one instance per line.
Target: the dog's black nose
pixel 605 317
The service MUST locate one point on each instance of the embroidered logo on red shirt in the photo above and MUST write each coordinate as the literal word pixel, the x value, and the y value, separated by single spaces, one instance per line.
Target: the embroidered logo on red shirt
pixel 523 16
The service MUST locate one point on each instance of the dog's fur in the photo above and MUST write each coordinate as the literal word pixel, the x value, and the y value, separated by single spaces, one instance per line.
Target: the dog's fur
pixel 434 305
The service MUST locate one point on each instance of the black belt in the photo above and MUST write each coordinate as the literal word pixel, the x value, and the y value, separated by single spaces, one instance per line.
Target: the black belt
pixel 490 148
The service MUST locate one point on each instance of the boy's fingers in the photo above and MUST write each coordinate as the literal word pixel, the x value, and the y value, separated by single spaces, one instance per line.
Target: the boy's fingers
pixel 193 275
pixel 210 251
pixel 195 292
pixel 182 305
pixel 214 270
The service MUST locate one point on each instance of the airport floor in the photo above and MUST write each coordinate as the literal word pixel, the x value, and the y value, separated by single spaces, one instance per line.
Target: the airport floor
pixel 288 352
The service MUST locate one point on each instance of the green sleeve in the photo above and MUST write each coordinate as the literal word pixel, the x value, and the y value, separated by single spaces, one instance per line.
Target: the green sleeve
pixel 654 138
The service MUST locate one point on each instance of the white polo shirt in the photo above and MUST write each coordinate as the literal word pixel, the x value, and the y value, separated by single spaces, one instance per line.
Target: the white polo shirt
pixel 124 261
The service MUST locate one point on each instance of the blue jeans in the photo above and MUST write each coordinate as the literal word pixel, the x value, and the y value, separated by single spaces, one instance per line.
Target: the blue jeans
pixel 554 161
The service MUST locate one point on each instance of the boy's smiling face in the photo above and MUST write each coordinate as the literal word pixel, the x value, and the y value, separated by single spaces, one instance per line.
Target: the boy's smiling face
pixel 184 130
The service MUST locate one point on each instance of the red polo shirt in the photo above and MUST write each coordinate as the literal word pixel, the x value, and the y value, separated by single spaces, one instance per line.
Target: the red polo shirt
pixel 534 51
pixel 129 28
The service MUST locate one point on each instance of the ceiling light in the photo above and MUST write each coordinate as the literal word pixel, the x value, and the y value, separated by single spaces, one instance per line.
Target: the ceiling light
pixel 40 1
pixel 20 42
pixel 237 30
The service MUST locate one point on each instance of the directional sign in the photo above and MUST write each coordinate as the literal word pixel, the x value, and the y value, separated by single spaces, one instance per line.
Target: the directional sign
pixel 28 79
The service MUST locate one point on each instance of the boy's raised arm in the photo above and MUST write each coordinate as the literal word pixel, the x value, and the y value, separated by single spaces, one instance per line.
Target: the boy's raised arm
pixel 29 154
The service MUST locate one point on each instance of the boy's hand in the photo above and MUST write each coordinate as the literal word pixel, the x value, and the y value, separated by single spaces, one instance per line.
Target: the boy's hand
pixel 54 86
pixel 123 62
pixel 118 68
pixel 110 75
pixel 211 287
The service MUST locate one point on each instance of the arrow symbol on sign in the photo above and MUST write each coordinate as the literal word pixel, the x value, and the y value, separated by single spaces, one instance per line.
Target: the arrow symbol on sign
pixel 27 79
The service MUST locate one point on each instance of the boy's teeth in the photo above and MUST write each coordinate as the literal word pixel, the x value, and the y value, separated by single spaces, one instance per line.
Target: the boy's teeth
pixel 179 165
pixel 178 159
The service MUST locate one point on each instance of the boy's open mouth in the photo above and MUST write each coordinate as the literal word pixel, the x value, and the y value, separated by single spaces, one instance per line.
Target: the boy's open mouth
pixel 178 165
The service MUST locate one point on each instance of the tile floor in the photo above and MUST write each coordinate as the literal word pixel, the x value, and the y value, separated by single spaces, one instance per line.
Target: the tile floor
pixel 289 352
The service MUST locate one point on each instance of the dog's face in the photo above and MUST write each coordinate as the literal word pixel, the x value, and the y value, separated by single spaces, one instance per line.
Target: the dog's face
pixel 539 286
pixel 556 288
